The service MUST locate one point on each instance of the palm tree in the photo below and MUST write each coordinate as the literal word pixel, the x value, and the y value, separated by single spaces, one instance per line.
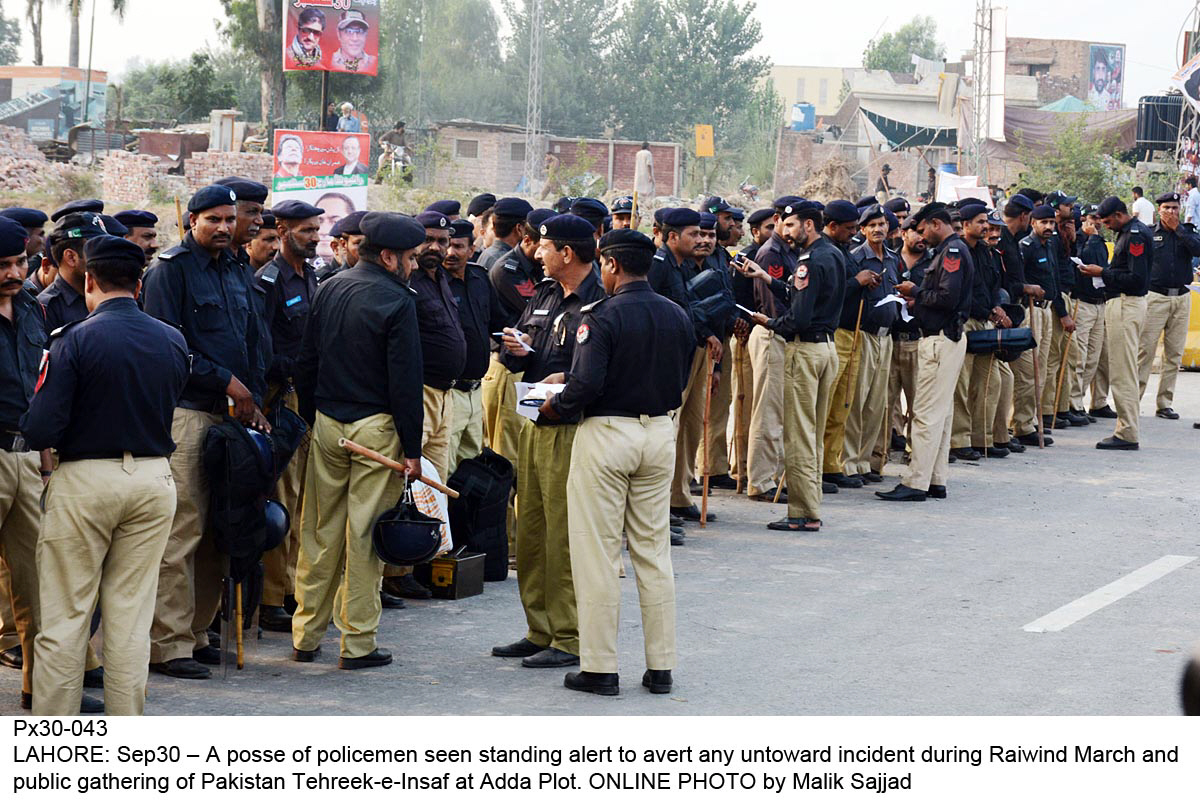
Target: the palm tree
pixel 33 13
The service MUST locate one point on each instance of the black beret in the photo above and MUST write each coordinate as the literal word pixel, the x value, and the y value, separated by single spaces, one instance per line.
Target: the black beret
pixel 296 209
pixel 1021 201
pixel 870 212
pixel 715 205
pixel 659 213
pixel 78 206
pixel 512 208
pixel 433 219
pixel 450 208
pixel 680 217
pixel 738 214
pixel 462 229
pixel 841 211
pixel 246 190
pixel 1057 198
pixel 13 237
pixel 892 220
pixel 865 202
pixel 567 228
pixel 269 223
pixel 480 203
pixel 113 248
pixel 801 206
pixel 213 196
pixel 563 204
pixel 1043 212
pixel 815 204
pixel 539 215
pixel 1166 197
pixel 387 231
pixel 349 225
pixel 622 205
pixel 994 218
pixel 136 219
pixel 80 226
pixel 970 201
pixel 113 225
pixel 28 217
pixel 786 200
pixel 1110 206
pixel 972 210
pixel 708 221
pixel 940 210
pixel 589 208
pixel 898 205
pixel 626 238
pixel 760 216
pixel 910 222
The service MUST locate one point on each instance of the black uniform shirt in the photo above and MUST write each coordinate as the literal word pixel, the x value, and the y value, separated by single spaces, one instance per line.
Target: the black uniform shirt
pixel 853 292
pixel 1173 254
pixel 287 299
pixel 875 317
pixel 743 287
pixel 480 313
pixel 361 353
pixel 514 277
pixel 778 258
pixel 1094 251
pixel 632 357
pixel 1133 256
pixel 669 278
pixel 1013 267
pixel 210 299
pixel 442 343
pixel 109 386
pixel 911 329
pixel 493 254
pixel 944 298
pixel 1039 260
pixel 21 343
pixel 815 301
pixel 34 284
pixel 985 290
pixel 62 304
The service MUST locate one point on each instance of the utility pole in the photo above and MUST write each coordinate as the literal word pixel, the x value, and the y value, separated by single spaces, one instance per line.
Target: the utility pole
pixel 533 104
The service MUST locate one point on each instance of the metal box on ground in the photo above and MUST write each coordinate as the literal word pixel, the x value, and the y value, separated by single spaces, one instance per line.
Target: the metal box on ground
pixel 456 576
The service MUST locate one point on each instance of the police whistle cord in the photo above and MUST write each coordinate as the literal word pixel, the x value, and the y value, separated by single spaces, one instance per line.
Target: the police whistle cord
pixel 1062 367
pixel 707 413
pixel 853 351
pixel 1037 396
pixel 380 458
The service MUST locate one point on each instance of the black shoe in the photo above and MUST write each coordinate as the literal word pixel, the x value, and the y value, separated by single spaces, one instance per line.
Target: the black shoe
pixel 93 678
pixel 598 683
pixel 801 524
pixel 375 658
pixel 1103 413
pixel 550 658
pixel 950 459
pixel 1084 414
pixel 903 493
pixel 389 602
pixel 769 496
pixel 290 605
pixel 898 444
pixel 1031 440
pixel 1002 451
pixel 677 540
pixel 209 656
pixel 306 656
pixel 1075 419
pixel 214 638
pixel 691 513
pixel 676 521
pixel 658 681
pixel 966 453
pixel 1166 413
pixel 406 587
pixel 13 659
pixel 1016 447
pixel 1057 422
pixel 274 619
pixel 184 668
pixel 87 704
pixel 872 477
pixel 842 481
pixel 721 482
pixel 828 489
pixel 1113 443
pixel 937 491
pixel 518 649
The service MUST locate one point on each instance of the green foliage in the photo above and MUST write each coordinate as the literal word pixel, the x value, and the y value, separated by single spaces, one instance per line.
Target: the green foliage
pixel 1079 162
pixel 183 91
pixel 10 39
pixel 894 50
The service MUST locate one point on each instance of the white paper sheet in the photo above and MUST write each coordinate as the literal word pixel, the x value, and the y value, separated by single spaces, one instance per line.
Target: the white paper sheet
pixel 534 391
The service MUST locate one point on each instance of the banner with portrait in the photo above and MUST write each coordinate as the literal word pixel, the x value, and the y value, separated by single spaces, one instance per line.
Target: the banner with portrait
pixel 341 36
pixel 325 169
pixel 1187 80
pixel 1106 76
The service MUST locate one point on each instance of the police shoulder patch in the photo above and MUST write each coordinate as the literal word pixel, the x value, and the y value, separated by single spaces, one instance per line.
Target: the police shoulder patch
pixel 62 330
pixel 171 253
pixel 511 264
pixel 270 273
pixel 658 257
pixel 593 305
pixel 583 333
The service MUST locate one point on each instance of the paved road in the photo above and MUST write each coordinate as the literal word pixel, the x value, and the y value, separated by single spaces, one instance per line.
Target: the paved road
pixel 890 609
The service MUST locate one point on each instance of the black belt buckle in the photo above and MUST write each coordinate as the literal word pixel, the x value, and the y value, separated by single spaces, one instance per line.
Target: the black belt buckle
pixel 14 442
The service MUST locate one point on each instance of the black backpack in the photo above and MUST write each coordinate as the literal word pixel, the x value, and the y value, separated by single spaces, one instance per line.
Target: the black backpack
pixel 478 517
pixel 240 477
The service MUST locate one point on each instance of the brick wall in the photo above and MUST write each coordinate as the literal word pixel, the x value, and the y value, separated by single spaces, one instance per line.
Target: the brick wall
pixel 493 167
pixel 797 157
pixel 129 177
pixel 205 168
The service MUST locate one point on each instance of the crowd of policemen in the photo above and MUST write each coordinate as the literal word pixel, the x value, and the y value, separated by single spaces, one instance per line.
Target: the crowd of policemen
pixel 787 366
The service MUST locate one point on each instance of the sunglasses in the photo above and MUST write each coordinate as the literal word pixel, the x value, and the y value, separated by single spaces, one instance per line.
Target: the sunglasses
pixel 311 32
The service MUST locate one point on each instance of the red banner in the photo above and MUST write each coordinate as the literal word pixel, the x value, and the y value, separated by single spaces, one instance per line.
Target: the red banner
pixel 341 36
pixel 325 169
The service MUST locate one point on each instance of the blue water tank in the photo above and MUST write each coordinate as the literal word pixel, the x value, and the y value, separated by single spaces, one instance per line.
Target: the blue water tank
pixel 804 117
pixel 949 168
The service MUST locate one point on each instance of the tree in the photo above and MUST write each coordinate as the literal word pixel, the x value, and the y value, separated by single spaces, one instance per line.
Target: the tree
pixel 33 13
pixel 894 51
pixel 255 26
pixel 184 91
pixel 1077 160
pixel 10 38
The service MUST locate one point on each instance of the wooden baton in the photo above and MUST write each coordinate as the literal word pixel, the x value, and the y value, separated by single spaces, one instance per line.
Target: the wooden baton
pixel 367 452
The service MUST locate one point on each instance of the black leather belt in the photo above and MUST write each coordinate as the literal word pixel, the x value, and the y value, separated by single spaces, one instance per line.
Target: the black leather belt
pixel 441 385
pixel 467 385
pixel 1171 291
pixel 812 337
pixel 12 441
pixel 935 332
pixel 1041 304
pixel 218 407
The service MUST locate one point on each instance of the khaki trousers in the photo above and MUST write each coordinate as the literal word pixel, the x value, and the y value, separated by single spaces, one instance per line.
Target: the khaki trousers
pixel 843 392
pixel 189 577
pixel 1124 317
pixel 973 414
pixel 1166 315
pixel 939 361
pixel 741 379
pixel 998 434
pixel 811 373
pixel 20 520
pixel 1089 337
pixel 902 378
pixel 543 541
pixel 103 535
pixel 1027 390
pixel 1100 381
pixel 344 493
pixel 279 564
pixel 620 480
pixel 1054 363
pixel 765 453
pixel 9 637
pixel 502 425
pixel 435 431
pixel 718 420
pixel 689 424
pixel 869 409
pixel 466 435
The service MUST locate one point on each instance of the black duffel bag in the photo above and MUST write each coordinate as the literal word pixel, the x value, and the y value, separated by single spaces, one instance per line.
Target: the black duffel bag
pixel 1006 344
pixel 479 515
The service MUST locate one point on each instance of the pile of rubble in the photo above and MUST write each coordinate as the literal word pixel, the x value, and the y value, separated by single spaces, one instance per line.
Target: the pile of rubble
pixel 22 166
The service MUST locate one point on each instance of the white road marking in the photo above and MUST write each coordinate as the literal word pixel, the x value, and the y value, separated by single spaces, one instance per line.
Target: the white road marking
pixel 1101 598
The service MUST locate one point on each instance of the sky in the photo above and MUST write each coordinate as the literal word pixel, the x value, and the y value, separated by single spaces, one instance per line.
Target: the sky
pixel 793 33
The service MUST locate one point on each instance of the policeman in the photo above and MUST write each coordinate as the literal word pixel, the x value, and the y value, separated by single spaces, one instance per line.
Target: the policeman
pixel 288 283
pixel 88 206
pixel 251 199
pixel 673 262
pixel 726 233
pixel 549 324
pixel 143 231
pixel 817 286
pixel 1039 265
pixel 348 232
pixel 622 213
pixel 1091 373
pixel 1128 276
pixel 105 399
pixel 591 209
pixel 915 258
pixel 199 285
pixel 263 247
pixel 1168 304
pixel 63 298
pixel 940 305
pixel 450 209
pixel 480 314
pixel 371 310
pixel 479 213
pixel 34 223
pixel 1001 438
pixel 42 269
pixel 630 365
pixel 508 217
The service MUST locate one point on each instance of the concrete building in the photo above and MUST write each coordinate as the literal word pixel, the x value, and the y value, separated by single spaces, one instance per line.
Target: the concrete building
pixel 1065 67
pixel 819 86
pixel 47 101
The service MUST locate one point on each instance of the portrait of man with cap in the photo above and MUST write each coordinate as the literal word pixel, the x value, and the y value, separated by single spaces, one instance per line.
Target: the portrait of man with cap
pixel 351 55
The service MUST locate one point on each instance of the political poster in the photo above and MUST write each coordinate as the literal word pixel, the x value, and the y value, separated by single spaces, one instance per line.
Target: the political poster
pixel 325 169
pixel 1187 79
pixel 1106 76
pixel 341 36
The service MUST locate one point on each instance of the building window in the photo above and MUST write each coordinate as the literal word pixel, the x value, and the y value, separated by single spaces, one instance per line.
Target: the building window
pixel 823 92
pixel 799 89
pixel 518 152
pixel 1035 70
pixel 466 149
